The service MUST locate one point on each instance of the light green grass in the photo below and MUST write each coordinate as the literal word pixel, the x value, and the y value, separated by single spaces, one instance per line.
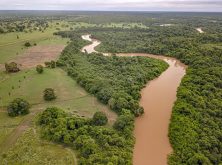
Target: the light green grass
pixel 11 47
pixel 30 149
pixel 30 86
pixel 7 124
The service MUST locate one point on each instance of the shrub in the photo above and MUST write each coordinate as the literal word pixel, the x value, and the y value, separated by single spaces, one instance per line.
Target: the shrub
pixel 49 94
pixel 49 115
pixel 18 107
pixel 99 118
pixel 39 69
pixel 27 44
pixel 48 64
pixel 53 64
pixel 11 67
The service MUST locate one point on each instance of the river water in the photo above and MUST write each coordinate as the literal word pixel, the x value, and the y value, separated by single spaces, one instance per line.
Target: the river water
pixel 151 130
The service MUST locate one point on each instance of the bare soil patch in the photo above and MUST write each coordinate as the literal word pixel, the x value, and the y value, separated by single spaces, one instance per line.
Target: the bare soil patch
pixel 38 55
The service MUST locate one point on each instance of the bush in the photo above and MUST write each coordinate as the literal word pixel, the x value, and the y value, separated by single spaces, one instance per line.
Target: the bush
pixel 11 67
pixel 49 94
pixel 99 119
pixel 51 64
pixel 39 69
pixel 48 64
pixel 49 115
pixel 18 107
pixel 27 44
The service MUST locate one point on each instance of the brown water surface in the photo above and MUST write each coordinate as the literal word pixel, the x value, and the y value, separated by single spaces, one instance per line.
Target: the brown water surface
pixel 158 97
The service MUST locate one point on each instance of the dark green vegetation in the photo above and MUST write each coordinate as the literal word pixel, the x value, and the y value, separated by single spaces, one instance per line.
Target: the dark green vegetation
pixel 95 144
pixel 18 107
pixel 51 64
pixel 12 67
pixel 49 94
pixel 99 118
pixel 39 69
pixel 21 24
pixel 27 44
pixel 196 124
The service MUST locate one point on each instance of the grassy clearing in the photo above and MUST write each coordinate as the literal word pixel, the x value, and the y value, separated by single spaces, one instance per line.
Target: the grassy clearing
pixel 71 97
pixel 30 149
pixel 11 49
pixel 30 86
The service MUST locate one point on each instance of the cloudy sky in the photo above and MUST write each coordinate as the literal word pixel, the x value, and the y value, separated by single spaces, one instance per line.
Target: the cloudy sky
pixel 123 5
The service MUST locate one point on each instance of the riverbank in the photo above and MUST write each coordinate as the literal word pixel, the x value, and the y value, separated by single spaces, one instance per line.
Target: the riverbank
pixel 158 97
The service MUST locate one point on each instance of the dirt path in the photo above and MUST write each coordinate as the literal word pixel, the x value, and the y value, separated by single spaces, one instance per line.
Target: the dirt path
pixel 158 97
pixel 18 131
pixel 73 156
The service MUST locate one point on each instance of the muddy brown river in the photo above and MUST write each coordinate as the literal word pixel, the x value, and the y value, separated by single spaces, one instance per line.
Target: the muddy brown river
pixel 151 130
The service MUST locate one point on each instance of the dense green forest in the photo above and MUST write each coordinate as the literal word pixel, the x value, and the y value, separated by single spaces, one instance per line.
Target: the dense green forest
pixel 115 81
pixel 96 144
pixel 195 129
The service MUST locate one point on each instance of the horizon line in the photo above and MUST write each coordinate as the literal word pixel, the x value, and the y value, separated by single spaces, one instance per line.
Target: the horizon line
pixel 185 11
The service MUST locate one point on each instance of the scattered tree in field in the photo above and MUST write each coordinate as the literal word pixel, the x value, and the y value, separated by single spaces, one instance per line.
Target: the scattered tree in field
pixel 39 69
pixel 18 107
pixel 27 44
pixel 49 94
pixel 11 67
pixel 99 118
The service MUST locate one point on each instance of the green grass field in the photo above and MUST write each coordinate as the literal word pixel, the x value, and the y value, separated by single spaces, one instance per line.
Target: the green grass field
pixel 30 86
pixel 30 149
pixel 11 47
